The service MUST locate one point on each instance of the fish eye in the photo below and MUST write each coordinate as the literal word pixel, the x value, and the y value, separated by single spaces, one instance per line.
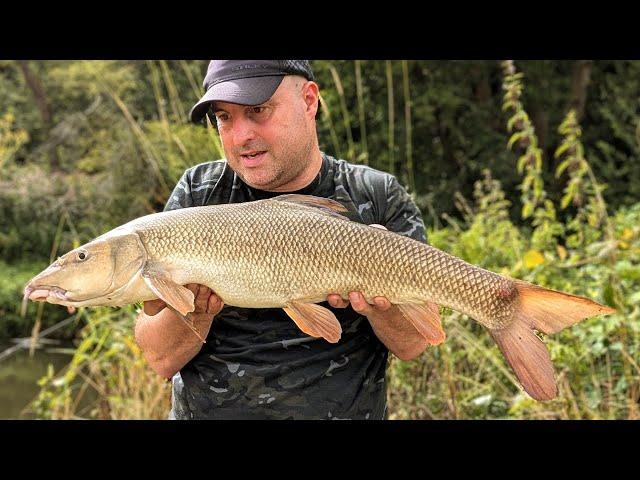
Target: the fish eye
pixel 82 255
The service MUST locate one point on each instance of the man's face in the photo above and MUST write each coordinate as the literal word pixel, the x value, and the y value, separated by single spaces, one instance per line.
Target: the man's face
pixel 271 144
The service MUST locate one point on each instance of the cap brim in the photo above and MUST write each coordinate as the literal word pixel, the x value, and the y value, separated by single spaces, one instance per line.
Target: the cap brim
pixel 243 91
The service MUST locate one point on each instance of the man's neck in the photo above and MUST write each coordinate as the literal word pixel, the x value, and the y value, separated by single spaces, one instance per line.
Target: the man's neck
pixel 305 178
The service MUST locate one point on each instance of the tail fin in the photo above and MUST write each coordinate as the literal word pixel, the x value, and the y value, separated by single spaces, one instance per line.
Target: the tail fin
pixel 548 311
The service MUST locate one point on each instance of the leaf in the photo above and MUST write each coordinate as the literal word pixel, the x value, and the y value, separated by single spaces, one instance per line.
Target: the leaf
pixel 628 270
pixel 533 258
pixel 526 183
pixel 482 400
pixel 509 104
pixel 627 234
pixel 514 138
pixel 538 156
pixel 562 252
pixel 511 121
pixel 617 346
pixel 621 386
pixel 538 186
pixel 561 149
pixel 634 298
pixel 562 167
pixel 527 210
pixel 570 192
pixel 522 161
pixel 518 116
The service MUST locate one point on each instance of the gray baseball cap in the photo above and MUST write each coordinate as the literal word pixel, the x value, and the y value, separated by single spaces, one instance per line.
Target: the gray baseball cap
pixel 245 82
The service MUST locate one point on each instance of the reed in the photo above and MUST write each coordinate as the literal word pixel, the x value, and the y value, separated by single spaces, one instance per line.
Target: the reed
pixel 197 90
pixel 327 120
pixel 364 154
pixel 391 118
pixel 408 128
pixel 174 97
pixel 153 157
pixel 346 119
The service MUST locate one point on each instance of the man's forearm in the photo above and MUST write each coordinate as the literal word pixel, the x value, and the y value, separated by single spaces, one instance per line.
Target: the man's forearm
pixel 398 334
pixel 167 343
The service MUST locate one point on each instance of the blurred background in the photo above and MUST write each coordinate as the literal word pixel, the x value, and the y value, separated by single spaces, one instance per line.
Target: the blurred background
pixel 527 168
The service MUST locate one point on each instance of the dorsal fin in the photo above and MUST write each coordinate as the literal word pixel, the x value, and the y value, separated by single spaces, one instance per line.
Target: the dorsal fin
pixel 325 204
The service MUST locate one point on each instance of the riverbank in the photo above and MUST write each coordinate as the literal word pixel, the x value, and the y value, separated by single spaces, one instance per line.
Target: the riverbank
pixel 20 372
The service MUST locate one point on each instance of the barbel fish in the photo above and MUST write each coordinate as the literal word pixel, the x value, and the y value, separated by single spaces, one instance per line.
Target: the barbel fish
pixel 291 252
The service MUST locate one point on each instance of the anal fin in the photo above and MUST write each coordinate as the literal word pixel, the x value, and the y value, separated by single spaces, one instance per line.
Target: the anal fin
pixel 315 320
pixel 426 320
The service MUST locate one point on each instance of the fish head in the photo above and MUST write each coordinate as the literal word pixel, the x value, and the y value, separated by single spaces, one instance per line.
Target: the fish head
pixel 92 274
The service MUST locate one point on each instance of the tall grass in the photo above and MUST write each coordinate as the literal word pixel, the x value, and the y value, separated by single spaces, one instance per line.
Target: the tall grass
pixel 107 378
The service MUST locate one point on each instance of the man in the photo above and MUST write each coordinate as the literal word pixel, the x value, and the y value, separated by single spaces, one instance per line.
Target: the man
pixel 256 364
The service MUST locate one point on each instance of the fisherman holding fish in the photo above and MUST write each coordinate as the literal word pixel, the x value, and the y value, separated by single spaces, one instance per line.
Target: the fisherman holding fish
pixel 255 364
pixel 276 281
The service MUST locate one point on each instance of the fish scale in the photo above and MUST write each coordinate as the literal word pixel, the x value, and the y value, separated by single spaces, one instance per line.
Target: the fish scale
pixel 268 252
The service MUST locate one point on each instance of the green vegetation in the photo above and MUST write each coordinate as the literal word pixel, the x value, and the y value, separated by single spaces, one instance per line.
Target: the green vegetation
pixel 107 377
pixel 525 168
pixel 597 360
pixel 12 282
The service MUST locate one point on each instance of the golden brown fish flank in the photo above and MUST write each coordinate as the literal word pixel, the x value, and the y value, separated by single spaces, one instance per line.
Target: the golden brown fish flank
pixel 292 251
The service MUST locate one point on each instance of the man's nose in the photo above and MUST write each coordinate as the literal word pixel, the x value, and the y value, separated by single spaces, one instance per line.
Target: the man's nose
pixel 243 131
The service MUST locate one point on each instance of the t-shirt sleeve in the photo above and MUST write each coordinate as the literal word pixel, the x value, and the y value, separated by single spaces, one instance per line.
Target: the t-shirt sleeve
pixel 181 195
pixel 401 214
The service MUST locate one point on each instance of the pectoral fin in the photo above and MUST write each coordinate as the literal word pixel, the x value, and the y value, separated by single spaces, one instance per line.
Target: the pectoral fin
pixel 426 319
pixel 177 296
pixel 315 320
pixel 188 320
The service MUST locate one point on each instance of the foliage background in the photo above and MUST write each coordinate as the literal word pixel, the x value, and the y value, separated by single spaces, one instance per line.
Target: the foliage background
pixel 88 145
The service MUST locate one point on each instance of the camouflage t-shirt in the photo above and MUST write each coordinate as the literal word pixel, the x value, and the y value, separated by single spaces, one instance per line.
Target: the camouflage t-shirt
pixel 256 363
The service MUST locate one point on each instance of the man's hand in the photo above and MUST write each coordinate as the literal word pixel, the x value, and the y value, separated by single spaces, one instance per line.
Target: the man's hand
pixel 205 300
pixel 166 342
pixel 388 323
pixel 359 304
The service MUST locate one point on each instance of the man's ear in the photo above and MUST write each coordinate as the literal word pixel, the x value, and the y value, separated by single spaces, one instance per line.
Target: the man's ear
pixel 310 94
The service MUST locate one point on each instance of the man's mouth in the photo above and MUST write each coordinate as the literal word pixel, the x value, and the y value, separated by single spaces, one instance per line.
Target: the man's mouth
pixel 253 158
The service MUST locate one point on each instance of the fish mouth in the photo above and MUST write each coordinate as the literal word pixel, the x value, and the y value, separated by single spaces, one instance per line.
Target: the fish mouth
pixel 43 293
pixel 40 293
